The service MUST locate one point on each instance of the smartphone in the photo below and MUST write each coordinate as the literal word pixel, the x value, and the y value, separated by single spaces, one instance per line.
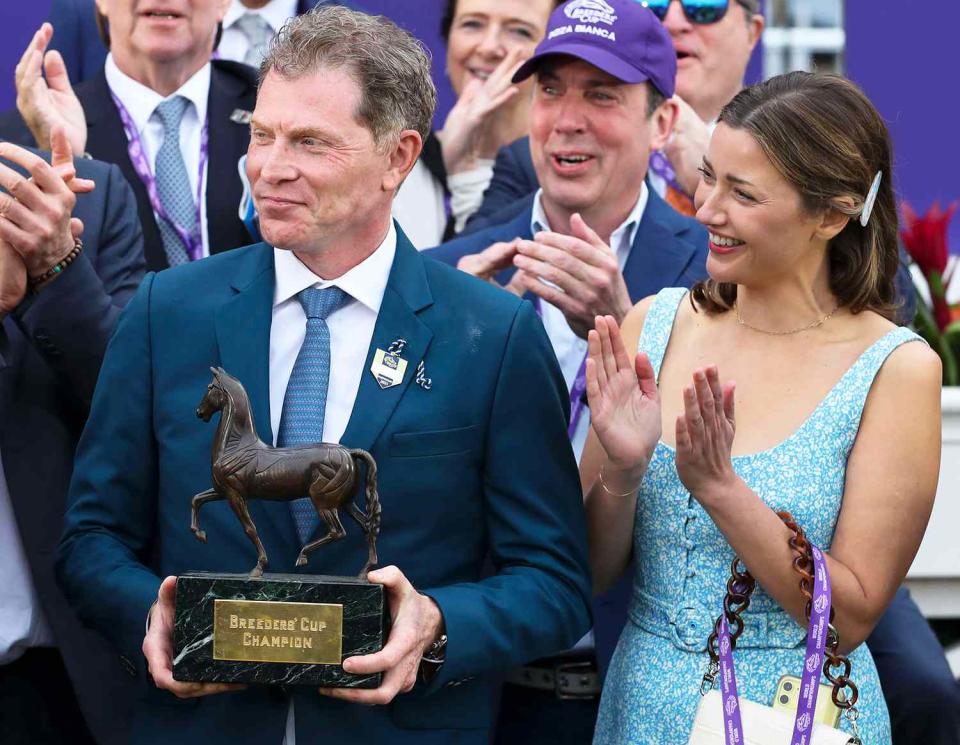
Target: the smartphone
pixel 788 693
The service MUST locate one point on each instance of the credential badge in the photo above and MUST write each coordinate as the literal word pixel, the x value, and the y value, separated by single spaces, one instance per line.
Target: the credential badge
pixel 388 368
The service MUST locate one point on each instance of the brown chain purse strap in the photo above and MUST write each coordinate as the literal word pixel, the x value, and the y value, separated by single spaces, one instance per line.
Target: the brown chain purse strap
pixel 740 586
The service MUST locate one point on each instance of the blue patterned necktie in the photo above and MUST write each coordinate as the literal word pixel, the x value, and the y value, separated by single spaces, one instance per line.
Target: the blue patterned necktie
pixel 301 421
pixel 173 184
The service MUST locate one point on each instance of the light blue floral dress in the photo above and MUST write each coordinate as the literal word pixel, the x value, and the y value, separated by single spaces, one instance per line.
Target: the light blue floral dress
pixel 683 561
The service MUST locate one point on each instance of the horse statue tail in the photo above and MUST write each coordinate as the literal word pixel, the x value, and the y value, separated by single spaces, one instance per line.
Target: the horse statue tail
pixel 372 498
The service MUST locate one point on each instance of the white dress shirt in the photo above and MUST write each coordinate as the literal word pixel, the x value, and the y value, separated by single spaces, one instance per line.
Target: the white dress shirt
pixel 22 624
pixel 351 329
pixel 140 102
pixel 234 43
pixel 570 348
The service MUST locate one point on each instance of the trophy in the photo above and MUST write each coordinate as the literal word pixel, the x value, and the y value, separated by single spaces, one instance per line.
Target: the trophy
pixel 278 629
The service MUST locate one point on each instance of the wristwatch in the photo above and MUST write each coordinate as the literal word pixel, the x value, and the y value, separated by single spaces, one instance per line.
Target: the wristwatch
pixel 433 657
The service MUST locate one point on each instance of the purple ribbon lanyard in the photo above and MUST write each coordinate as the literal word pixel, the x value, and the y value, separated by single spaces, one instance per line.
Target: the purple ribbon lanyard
pixel 193 242
pixel 813 663
pixel 662 167
pixel 577 390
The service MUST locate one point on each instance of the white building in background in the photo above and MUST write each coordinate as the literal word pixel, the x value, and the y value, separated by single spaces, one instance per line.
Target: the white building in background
pixel 803 35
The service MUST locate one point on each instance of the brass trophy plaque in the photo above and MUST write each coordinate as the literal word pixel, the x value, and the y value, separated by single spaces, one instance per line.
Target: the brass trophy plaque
pixel 279 628
pixel 264 631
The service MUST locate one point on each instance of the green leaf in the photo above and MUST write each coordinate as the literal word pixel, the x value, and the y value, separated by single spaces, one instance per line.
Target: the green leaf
pixel 946 343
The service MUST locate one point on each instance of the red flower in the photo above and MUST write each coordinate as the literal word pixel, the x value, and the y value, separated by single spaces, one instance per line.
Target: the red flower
pixel 925 238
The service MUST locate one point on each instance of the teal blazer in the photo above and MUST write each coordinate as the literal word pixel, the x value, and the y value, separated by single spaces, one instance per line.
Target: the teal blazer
pixel 474 472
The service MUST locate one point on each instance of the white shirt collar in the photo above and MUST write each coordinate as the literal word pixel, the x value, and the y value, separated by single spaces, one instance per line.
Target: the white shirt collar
pixel 366 282
pixel 276 12
pixel 141 101
pixel 620 240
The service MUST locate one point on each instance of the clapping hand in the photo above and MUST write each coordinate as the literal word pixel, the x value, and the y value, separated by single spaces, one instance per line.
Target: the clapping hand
pixel 582 273
pixel 465 135
pixel 36 210
pixel 687 146
pixel 624 402
pixel 705 433
pixel 490 262
pixel 45 102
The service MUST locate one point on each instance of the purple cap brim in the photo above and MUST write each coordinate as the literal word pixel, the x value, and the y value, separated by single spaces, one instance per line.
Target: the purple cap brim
pixel 599 58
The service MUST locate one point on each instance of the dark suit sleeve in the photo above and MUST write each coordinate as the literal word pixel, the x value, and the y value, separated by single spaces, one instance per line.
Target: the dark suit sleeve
pixel 906 293
pixel 513 179
pixel 75 37
pixel 112 501
pixel 70 320
pixel 538 601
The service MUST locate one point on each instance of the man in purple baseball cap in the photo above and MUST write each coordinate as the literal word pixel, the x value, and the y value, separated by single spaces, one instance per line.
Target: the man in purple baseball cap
pixel 620 37
pixel 593 240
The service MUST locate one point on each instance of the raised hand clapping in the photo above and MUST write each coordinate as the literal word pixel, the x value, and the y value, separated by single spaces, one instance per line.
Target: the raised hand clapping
pixel 705 433
pixel 624 402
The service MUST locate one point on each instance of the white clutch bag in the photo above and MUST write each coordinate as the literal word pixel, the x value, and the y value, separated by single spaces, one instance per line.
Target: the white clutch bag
pixel 762 725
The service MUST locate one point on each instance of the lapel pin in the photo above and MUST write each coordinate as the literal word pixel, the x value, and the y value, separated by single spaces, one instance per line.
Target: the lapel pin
pixel 421 378
pixel 241 116
pixel 388 366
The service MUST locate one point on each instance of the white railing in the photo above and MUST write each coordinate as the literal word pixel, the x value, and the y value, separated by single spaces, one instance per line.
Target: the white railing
pixel 934 577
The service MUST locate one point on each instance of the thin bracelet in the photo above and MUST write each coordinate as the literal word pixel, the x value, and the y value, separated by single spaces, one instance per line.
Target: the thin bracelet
pixel 37 283
pixel 613 493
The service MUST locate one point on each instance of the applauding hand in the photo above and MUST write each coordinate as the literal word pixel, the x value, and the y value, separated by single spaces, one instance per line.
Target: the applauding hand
pixel 705 435
pixel 46 102
pixel 624 402
pixel 578 273
pixel 466 132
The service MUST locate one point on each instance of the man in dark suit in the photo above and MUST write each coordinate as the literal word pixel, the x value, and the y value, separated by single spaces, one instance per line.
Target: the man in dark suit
pixel 470 442
pixel 83 51
pixel 601 240
pixel 118 116
pixel 53 335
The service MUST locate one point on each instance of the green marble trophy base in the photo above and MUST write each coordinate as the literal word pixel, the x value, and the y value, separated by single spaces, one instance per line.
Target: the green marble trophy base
pixel 279 629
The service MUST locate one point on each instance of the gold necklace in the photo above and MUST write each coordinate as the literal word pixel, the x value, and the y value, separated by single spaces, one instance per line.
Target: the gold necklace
pixel 808 327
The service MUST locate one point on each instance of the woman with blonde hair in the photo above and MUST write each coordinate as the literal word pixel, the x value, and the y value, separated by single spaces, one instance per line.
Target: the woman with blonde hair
pixel 836 419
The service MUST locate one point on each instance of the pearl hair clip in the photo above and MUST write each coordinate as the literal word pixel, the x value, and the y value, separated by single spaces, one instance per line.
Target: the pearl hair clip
pixel 871 198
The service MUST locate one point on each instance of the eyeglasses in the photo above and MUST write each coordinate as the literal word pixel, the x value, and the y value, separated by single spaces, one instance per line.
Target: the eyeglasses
pixel 697 11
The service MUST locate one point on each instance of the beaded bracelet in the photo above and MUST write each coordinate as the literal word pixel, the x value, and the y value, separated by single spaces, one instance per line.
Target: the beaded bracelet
pixel 36 283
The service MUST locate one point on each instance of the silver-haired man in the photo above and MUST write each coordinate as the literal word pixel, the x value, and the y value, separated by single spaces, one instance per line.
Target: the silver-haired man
pixel 474 464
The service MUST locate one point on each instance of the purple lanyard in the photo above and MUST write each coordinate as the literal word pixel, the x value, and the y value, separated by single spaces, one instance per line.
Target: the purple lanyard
pixel 813 663
pixel 661 166
pixel 193 242
pixel 577 390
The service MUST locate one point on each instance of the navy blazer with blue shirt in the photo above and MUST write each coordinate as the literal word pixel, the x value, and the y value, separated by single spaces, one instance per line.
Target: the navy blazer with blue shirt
pixel 475 469
pixel 51 346
pixel 668 250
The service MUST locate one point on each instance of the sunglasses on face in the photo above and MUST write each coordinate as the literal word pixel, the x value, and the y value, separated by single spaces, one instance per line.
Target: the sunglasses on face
pixel 697 11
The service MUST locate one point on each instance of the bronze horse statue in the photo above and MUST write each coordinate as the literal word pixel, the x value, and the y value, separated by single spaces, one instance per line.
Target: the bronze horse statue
pixel 245 468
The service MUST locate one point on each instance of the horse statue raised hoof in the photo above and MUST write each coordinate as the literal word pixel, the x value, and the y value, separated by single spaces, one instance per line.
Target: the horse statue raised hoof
pixel 245 468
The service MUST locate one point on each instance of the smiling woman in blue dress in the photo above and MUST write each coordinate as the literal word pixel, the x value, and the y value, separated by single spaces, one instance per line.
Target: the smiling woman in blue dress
pixel 837 415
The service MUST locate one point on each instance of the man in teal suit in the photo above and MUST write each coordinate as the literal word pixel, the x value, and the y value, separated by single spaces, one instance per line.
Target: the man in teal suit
pixel 475 470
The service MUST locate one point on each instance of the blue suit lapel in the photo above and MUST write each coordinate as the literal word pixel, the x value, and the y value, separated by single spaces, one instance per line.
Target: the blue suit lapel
pixel 407 293
pixel 243 338
pixel 658 258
